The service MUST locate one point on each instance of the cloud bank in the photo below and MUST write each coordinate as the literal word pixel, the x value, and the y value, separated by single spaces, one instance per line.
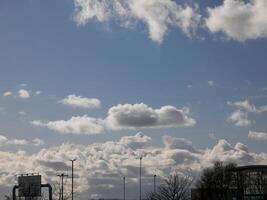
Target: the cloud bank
pixel 100 166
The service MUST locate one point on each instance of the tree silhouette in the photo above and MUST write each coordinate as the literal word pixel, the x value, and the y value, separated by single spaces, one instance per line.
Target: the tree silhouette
pixel 217 180
pixel 175 187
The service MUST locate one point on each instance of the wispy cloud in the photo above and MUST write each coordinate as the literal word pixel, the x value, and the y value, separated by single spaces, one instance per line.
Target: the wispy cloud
pixel 7 93
pixel 239 118
pixel 211 83
pixel 158 15
pixel 6 141
pixel 260 136
pixel 248 106
pixel 75 125
pixel 238 20
pixel 82 102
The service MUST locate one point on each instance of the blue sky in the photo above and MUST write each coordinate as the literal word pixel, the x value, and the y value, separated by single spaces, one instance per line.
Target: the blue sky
pixel 211 71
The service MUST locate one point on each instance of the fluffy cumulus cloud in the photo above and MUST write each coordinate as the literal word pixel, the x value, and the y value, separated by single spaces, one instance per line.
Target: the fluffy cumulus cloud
pixel 100 166
pixel 239 118
pixel 158 15
pixel 75 125
pixel 238 19
pixel 4 141
pixel 82 102
pixel 126 116
pixel 143 116
pixel 260 136
pixel 178 143
pixel 135 142
pixel 24 94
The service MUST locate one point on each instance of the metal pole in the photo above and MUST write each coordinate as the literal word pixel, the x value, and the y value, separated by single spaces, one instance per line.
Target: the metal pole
pixel 155 183
pixel 140 189
pixel 124 188
pixel 14 192
pixel 59 195
pixel 62 185
pixel 49 189
pixel 72 169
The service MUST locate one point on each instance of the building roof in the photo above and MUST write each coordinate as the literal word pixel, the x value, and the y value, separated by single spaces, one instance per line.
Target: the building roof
pixel 250 167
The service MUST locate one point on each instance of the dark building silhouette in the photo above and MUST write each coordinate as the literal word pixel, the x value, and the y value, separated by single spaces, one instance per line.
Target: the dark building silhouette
pixel 248 183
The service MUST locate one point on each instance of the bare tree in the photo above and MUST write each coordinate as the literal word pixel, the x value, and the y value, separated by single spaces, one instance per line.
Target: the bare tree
pixel 57 192
pixel 175 187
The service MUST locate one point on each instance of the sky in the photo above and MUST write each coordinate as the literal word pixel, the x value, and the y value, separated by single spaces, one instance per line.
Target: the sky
pixel 107 81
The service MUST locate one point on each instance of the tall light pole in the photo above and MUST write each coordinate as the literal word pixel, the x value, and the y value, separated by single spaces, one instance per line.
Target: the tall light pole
pixel 62 176
pixel 140 189
pixel 155 183
pixel 72 168
pixel 124 188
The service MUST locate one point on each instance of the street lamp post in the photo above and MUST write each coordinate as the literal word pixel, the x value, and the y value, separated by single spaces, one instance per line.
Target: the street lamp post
pixel 155 183
pixel 124 188
pixel 62 185
pixel 140 189
pixel 72 169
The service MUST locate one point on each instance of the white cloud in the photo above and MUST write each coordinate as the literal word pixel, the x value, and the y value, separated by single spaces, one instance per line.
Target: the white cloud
pixel 126 116
pixel 102 164
pixel 248 106
pixel 257 135
pixel 135 142
pixel 38 92
pixel 211 83
pixel 22 112
pixel 238 19
pixel 142 116
pixel 83 102
pixel 158 15
pixel 23 85
pixel 7 93
pixel 178 143
pixel 5 141
pixel 24 94
pixel 239 118
pixel 75 125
